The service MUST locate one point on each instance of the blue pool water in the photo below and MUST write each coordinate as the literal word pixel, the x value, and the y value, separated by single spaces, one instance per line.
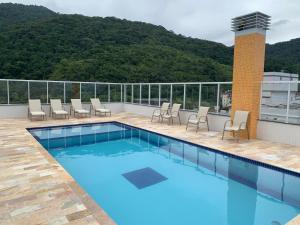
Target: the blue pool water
pixel 143 178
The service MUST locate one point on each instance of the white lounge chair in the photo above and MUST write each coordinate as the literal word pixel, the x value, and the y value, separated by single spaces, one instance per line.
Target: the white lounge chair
pixel 35 109
pixel 160 112
pixel 238 124
pixel 77 108
pixel 56 109
pixel 174 113
pixel 197 119
pixel 98 107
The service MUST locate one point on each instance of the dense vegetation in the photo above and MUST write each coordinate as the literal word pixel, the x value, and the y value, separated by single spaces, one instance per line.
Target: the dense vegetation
pixel 36 43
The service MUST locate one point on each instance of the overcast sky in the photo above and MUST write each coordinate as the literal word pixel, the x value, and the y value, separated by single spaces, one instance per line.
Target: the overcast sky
pixel 205 19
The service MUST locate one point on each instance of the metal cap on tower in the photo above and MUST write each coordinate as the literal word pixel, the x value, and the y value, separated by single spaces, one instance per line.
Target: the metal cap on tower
pixel 256 22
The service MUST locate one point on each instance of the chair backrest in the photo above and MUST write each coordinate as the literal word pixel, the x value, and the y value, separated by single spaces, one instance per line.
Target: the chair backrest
pixel 164 107
pixel 175 109
pixel 56 104
pixel 96 103
pixel 76 104
pixel 35 105
pixel 240 117
pixel 203 111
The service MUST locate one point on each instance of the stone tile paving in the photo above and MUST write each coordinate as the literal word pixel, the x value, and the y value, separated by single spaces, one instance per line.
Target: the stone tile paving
pixel 35 189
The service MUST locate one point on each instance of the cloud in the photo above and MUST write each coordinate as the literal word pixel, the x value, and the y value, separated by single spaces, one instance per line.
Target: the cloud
pixel 279 23
pixel 196 18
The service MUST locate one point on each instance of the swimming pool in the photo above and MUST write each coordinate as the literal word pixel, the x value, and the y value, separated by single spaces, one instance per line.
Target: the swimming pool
pixel 144 178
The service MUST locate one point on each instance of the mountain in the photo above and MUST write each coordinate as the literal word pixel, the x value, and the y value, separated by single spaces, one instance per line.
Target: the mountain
pixel 11 14
pixel 36 43
pixel 283 56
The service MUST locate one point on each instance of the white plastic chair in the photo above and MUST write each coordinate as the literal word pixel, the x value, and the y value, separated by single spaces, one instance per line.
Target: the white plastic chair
pixel 174 113
pixel 56 108
pixel 238 124
pixel 77 108
pixel 98 107
pixel 160 112
pixel 200 117
pixel 35 109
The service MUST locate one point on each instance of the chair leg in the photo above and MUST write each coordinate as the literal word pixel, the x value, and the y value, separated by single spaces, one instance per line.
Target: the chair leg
pixel 187 125
pixel 238 136
pixel 207 124
pixel 248 133
pixel 223 134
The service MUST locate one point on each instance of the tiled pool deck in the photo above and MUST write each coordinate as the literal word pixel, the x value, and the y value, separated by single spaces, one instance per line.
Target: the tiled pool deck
pixel 35 189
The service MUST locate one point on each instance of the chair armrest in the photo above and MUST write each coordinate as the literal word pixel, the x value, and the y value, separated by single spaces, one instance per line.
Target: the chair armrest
pixel 205 117
pixel 242 123
pixel 195 115
pixel 226 122
pixel 155 111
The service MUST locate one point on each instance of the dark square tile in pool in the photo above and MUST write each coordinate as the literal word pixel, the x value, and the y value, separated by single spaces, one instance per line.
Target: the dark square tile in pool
pixel 144 177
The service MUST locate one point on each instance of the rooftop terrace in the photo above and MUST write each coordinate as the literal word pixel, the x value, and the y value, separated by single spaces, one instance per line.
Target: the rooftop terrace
pixel 35 189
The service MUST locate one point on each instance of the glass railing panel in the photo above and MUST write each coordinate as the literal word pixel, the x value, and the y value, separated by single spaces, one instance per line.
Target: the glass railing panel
pixel 274 101
pixel 87 92
pixel 209 96
pixel 72 91
pixel 225 98
pixel 56 91
pixel 115 93
pixel 145 94
pixel 102 92
pixel 128 93
pixel 154 95
pixel 3 92
pixel 192 97
pixel 177 94
pixel 38 90
pixel 294 104
pixel 18 92
pixel 165 95
pixel 136 93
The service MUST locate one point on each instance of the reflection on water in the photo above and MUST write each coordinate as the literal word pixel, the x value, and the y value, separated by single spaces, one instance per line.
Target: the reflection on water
pixel 280 185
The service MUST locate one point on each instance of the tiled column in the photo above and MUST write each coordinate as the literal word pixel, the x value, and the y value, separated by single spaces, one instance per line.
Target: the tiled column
pixel 248 66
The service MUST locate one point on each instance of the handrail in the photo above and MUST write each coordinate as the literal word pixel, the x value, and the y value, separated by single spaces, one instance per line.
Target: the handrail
pixel 205 93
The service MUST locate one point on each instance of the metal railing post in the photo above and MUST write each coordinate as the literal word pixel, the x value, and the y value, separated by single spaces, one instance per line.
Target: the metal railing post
pixel 218 98
pixel 184 92
pixel 131 93
pixel 95 91
pixel 108 87
pixel 149 95
pixel 125 92
pixel 7 89
pixel 121 94
pixel 288 103
pixel 260 100
pixel 159 93
pixel 65 92
pixel 80 90
pixel 200 94
pixel 47 92
pixel 140 94
pixel 28 90
pixel 171 94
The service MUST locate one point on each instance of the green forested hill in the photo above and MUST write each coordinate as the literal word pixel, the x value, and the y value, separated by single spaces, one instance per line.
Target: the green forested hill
pixel 283 56
pixel 46 45
pixel 11 14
